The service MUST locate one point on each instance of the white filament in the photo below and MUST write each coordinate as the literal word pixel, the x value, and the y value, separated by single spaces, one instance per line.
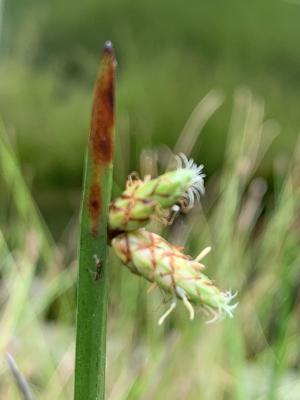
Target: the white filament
pixel 189 307
pixel 168 312
pixel 203 254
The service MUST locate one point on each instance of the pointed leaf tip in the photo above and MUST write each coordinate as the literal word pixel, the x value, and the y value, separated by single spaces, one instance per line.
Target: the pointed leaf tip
pixel 108 46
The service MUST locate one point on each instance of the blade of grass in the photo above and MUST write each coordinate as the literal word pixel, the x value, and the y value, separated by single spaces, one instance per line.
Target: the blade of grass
pixel 92 287
pixel 20 379
pixel 22 198
pixel 197 120
pixel 19 279
pixel 18 310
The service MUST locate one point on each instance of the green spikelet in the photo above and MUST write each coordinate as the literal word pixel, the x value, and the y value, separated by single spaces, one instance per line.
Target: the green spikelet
pixel 149 255
pixel 145 198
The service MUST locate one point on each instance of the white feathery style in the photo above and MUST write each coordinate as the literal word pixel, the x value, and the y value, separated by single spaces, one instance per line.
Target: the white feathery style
pixel 197 187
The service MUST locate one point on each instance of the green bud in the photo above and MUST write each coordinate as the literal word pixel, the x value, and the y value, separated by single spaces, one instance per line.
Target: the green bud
pixel 145 198
pixel 152 257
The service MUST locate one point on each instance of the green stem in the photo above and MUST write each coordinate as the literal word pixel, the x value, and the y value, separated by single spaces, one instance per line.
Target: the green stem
pixel 93 279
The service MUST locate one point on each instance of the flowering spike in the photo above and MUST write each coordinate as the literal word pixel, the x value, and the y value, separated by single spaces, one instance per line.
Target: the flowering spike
pixel 144 198
pixel 149 255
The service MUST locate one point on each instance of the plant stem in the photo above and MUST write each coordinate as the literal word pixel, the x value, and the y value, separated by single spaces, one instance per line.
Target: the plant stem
pixel 93 279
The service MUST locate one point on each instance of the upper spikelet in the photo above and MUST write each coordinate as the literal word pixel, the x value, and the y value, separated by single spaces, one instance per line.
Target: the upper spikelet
pixel 145 198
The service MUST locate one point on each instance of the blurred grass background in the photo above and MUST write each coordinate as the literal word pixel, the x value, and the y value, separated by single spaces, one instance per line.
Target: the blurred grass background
pixel 177 63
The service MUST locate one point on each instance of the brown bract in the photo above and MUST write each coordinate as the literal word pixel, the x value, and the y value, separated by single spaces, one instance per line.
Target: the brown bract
pixel 101 131
pixel 95 202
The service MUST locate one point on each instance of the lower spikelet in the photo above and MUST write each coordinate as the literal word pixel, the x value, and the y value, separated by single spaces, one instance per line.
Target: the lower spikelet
pixel 152 257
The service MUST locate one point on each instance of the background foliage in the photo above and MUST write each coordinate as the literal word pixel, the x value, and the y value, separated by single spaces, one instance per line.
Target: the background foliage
pixel 173 58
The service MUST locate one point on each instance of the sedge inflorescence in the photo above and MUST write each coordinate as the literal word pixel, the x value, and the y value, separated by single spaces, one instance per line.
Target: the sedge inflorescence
pixel 154 258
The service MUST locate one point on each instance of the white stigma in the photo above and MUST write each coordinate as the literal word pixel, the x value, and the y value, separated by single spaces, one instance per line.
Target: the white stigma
pixel 197 187
pixel 225 309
